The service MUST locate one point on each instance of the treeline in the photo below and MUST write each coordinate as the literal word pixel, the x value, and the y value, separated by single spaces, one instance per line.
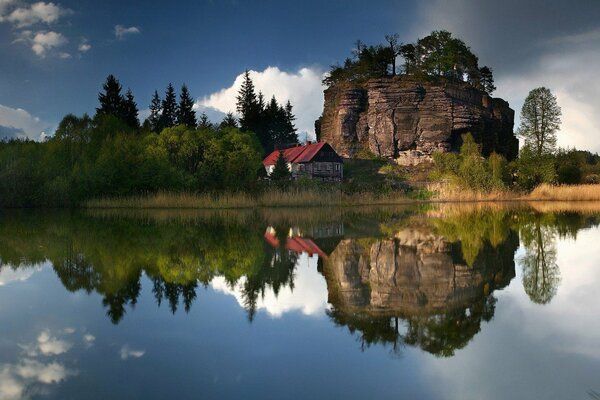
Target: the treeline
pixel 438 55
pixel 113 154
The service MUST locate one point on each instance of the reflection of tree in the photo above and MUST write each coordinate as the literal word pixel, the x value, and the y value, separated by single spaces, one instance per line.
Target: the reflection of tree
pixel 541 274
pixel 110 256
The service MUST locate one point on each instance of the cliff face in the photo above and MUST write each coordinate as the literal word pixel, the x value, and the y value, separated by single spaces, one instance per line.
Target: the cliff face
pixel 402 118
pixel 413 274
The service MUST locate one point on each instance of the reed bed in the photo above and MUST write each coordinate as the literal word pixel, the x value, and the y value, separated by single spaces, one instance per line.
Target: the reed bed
pixel 565 193
pixel 238 200
pixel 451 193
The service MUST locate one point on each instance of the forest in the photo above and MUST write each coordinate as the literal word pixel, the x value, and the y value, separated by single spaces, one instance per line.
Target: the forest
pixel 114 154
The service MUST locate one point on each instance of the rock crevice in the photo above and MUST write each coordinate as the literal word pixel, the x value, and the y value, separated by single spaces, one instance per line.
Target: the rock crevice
pixel 393 117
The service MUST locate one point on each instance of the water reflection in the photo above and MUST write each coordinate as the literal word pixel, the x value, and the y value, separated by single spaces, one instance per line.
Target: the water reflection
pixel 396 278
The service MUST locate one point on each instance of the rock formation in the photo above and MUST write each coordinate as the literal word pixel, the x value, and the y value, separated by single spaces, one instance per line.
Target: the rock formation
pixel 415 273
pixel 408 120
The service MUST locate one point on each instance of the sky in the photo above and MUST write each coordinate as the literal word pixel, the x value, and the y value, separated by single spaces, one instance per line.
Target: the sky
pixel 54 56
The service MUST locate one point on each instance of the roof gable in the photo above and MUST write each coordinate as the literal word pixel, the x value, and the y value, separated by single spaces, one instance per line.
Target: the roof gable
pixel 297 154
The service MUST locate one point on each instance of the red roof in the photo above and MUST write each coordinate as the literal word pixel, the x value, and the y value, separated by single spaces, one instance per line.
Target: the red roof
pixel 297 154
pixel 303 245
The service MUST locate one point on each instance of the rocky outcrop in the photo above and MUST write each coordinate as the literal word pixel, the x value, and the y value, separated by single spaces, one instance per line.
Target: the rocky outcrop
pixel 415 273
pixel 407 119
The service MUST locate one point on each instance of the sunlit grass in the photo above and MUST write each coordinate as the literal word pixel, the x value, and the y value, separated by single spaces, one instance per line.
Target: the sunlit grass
pixel 232 200
pixel 566 193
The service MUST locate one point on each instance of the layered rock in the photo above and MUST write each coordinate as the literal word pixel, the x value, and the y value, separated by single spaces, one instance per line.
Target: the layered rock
pixel 415 273
pixel 406 119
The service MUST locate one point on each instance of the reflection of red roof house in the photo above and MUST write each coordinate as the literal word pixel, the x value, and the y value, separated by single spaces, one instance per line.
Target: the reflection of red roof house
pixel 296 244
pixel 312 160
pixel 303 245
pixel 271 239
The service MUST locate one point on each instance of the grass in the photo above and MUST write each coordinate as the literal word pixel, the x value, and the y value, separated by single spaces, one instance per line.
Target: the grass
pixel 237 200
pixel 566 193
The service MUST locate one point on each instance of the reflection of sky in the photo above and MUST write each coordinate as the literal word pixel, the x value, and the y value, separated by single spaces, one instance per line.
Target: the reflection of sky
pixel 59 344
pixel 534 351
pixel 8 274
pixel 308 296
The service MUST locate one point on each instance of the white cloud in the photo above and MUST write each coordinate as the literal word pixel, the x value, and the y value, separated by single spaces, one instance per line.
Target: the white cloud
pixel 121 31
pixel 42 42
pixel 84 46
pixel 3 7
pixel 126 353
pixel 308 296
pixel 302 88
pixel 39 12
pixel 10 275
pixel 24 124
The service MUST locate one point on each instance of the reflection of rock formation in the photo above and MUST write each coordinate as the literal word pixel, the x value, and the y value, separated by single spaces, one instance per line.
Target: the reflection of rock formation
pixel 418 277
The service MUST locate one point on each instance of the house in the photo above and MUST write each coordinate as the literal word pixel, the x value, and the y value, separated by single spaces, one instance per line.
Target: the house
pixel 312 160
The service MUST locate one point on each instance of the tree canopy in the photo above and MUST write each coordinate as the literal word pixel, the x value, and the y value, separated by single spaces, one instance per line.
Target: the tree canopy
pixel 438 55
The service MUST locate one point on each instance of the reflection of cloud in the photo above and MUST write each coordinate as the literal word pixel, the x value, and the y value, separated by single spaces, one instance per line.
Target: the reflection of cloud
pixel 89 339
pixel 126 353
pixel 49 345
pixel 9 275
pixel 22 378
pixel 309 295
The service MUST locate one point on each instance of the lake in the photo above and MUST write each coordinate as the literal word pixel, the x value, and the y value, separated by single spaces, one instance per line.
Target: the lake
pixel 431 302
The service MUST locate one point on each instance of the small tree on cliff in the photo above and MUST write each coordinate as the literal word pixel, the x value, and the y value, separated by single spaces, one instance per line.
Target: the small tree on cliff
pixel 281 171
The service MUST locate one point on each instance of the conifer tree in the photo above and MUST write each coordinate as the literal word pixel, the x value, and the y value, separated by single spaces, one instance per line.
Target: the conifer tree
pixel 185 112
pixel 229 121
pixel 168 117
pixel 204 122
pixel 280 171
pixel 130 111
pixel 487 79
pixel 111 100
pixel 247 104
pixel 155 111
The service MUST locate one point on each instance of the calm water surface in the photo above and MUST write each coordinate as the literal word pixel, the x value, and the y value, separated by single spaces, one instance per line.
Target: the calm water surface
pixel 446 303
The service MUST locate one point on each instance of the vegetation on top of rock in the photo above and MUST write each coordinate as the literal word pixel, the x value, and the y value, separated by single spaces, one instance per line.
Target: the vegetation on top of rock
pixel 436 56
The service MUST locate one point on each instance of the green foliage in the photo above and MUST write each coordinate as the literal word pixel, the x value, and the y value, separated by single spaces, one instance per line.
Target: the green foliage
pixel 531 169
pixel 281 171
pixel 104 157
pixel 168 116
pixel 540 120
pixel 436 56
pixel 185 110
pixel 470 170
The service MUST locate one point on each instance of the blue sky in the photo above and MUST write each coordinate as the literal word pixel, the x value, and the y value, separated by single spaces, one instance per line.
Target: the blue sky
pixel 55 55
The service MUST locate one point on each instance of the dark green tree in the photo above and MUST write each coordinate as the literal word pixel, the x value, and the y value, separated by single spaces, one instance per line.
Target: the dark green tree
pixel 408 52
pixel 247 105
pixel 185 112
pixel 487 79
pixel 204 122
pixel 281 171
pixel 229 121
pixel 155 111
pixel 111 100
pixel 168 116
pixel 130 111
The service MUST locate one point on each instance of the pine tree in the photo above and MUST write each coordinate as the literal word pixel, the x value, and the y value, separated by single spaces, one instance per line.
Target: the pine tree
pixel 280 171
pixel 155 111
pixel 130 111
pixel 168 117
pixel 111 100
pixel 487 79
pixel 247 104
pixel 229 121
pixel 204 122
pixel 185 112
